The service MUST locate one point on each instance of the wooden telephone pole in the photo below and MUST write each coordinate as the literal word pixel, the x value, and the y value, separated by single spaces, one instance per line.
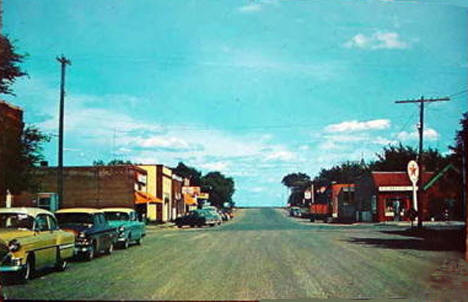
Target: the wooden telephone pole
pixel 421 102
pixel 63 62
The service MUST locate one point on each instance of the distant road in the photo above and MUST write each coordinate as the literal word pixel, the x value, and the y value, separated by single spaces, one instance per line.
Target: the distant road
pixel 262 253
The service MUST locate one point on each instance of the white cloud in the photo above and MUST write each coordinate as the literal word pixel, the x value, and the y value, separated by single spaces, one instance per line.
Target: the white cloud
pixel 352 126
pixel 215 166
pixel 378 40
pixel 256 189
pixel 252 7
pixel 255 6
pixel 162 142
pixel 280 155
pixel 429 134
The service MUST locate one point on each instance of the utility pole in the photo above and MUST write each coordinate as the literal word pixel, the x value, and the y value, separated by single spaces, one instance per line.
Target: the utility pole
pixel 421 102
pixel 63 62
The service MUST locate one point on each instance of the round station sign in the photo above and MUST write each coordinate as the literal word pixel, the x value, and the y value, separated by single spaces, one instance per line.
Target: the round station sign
pixel 413 171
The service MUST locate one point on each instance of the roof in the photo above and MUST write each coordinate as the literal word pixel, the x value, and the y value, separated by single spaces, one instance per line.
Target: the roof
pixel 25 210
pixel 395 178
pixel 336 188
pixel 80 210
pixel 439 175
pixel 125 210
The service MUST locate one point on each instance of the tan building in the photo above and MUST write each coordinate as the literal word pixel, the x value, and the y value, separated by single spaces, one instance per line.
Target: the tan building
pixel 159 180
pixel 11 127
pixel 95 187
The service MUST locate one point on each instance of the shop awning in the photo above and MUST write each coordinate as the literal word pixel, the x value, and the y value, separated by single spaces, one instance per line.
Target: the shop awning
pixel 143 197
pixel 190 200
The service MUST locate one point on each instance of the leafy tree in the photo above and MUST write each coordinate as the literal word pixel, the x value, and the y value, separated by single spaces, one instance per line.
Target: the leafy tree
pixel 188 172
pixel 346 172
pixel 396 158
pixel 221 188
pixel 21 158
pixel 114 162
pixel 457 149
pixel 296 180
pixel 9 69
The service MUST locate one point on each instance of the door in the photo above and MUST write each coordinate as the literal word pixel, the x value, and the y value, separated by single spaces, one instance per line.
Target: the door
pixel 45 247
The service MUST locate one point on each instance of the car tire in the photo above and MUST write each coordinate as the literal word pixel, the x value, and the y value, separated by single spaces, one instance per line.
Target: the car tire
pixel 27 272
pixel 89 255
pixel 126 243
pixel 110 249
pixel 60 264
pixel 138 241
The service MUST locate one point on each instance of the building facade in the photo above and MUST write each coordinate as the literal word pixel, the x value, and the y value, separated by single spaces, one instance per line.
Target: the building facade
pixel 93 186
pixel 387 196
pixel 11 127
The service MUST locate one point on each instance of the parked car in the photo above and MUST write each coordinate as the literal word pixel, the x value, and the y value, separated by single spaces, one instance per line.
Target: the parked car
pixel 295 211
pixel 211 210
pixel 129 228
pixel 30 239
pixel 93 233
pixel 196 218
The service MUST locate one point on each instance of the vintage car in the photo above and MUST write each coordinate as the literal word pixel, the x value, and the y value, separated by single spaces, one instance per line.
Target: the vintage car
pixel 30 239
pixel 93 233
pixel 126 222
pixel 197 218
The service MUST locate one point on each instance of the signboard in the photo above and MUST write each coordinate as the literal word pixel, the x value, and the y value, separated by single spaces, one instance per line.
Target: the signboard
pixel 308 194
pixel 413 171
pixel 413 174
pixel 204 196
pixel 396 188
pixel 191 190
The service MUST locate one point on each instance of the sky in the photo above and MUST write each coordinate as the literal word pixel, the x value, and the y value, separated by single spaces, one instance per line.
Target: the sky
pixel 254 89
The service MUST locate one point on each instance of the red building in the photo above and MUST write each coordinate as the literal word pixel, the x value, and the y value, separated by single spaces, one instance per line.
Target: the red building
pixel 387 196
pixel 11 127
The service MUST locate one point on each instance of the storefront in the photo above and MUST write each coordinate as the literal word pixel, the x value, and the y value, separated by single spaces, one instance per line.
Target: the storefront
pixel 386 196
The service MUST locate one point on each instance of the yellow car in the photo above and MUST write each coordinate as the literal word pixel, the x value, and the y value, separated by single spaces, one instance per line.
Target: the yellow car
pixel 30 239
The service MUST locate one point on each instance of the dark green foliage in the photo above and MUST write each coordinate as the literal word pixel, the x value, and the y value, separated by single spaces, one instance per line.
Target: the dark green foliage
pixel 346 172
pixel 396 158
pixel 220 188
pixel 9 69
pixel 188 172
pixel 296 180
pixel 114 162
pixel 21 157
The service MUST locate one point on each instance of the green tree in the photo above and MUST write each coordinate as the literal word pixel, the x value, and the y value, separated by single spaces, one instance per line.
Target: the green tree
pixel 396 158
pixel 457 148
pixel 114 162
pixel 22 156
pixel 9 69
pixel 296 180
pixel 188 172
pixel 346 172
pixel 220 188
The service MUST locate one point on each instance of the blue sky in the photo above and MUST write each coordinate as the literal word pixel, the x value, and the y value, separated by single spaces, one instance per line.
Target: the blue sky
pixel 254 89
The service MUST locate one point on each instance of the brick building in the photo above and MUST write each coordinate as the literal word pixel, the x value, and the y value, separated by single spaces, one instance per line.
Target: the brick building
pixel 93 186
pixel 11 127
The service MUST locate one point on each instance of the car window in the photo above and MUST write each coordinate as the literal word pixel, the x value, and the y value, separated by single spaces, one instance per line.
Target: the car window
pixel 102 219
pixel 42 223
pixel 52 223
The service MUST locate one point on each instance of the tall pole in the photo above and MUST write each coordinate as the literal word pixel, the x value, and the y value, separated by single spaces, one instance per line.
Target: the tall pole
pixel 63 63
pixel 420 184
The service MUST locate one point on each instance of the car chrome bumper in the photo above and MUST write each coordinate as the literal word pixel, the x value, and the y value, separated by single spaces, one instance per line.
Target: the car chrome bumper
pixel 82 248
pixel 11 268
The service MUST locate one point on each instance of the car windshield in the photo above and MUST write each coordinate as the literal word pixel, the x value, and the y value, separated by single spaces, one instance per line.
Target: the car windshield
pixel 16 221
pixel 117 216
pixel 74 218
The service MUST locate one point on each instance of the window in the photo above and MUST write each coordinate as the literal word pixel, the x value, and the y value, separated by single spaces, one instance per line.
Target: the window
pixel 41 223
pixel 52 223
